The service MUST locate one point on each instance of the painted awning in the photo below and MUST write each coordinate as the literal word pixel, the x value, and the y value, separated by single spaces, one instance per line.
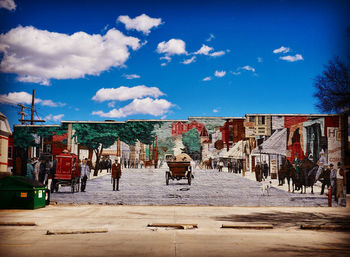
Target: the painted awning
pixel 276 144
pixel 237 151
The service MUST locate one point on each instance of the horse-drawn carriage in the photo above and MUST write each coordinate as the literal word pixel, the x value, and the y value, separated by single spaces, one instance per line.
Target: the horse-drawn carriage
pixel 178 170
pixel 67 172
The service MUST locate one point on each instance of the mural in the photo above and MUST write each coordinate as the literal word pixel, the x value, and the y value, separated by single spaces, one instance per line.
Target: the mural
pixel 289 148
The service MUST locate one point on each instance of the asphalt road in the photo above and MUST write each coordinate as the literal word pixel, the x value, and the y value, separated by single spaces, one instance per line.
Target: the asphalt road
pixel 213 188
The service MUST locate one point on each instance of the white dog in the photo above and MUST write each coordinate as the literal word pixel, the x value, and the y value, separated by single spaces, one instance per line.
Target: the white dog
pixel 265 187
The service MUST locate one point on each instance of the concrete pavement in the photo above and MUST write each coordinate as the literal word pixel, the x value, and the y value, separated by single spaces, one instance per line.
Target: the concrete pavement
pixel 128 234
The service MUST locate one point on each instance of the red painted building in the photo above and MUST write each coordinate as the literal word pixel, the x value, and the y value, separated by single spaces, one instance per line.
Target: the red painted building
pixel 294 124
pixel 232 131
pixel 177 128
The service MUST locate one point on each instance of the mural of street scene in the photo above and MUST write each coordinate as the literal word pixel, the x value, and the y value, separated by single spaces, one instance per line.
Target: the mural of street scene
pixel 256 160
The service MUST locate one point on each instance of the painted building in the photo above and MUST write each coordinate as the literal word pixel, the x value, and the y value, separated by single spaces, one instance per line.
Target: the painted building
pixel 5 132
pixel 178 128
pixel 233 131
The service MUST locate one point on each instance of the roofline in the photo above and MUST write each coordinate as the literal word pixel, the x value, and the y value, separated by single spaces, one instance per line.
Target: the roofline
pixel 290 114
pixel 34 126
pixel 152 120
pixel 222 118
pixel 90 121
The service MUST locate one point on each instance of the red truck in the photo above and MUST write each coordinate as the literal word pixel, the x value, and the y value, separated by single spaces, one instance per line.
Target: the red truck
pixel 67 172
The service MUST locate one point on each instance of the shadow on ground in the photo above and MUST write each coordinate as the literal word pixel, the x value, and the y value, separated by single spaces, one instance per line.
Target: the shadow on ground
pixel 288 219
pixel 331 249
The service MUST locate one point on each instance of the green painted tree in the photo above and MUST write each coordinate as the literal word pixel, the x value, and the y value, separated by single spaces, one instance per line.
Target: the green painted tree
pixel 192 143
pixel 99 136
pixel 165 146
pixel 24 137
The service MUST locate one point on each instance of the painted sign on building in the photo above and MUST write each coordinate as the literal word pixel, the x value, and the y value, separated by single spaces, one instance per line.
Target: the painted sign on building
pixel 334 145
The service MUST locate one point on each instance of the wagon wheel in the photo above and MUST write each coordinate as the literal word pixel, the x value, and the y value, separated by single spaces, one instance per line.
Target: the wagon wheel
pixel 73 186
pixel 167 178
pixel 189 177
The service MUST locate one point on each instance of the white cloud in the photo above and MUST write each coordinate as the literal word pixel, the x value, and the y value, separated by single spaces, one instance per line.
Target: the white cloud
pixel 248 68
pixel 111 104
pixel 51 117
pixel 218 53
pixel 206 79
pixel 289 58
pixel 40 55
pixel 172 47
pixel 163 64
pixel 142 23
pixel 282 49
pixel 215 110
pixel 204 50
pixel 259 59
pixel 235 73
pixel 155 107
pixel 126 93
pixel 211 37
pixel 8 4
pixel 220 74
pixel 191 60
pixel 14 98
pixel 131 76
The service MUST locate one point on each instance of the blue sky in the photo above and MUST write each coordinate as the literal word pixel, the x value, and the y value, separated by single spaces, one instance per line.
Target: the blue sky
pixel 265 55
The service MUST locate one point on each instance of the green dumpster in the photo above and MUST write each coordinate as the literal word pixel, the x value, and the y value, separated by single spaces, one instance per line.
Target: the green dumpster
pixel 21 193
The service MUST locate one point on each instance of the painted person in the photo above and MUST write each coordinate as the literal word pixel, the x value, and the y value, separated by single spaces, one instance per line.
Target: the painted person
pixel 30 170
pixel 36 166
pixel 258 172
pixel 116 174
pixel 265 169
pixel 84 174
pixel 296 163
pixel 141 164
pixel 321 163
pixel 340 182
pixel 333 178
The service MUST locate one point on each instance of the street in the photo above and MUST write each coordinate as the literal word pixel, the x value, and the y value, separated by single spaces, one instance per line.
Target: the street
pixel 209 187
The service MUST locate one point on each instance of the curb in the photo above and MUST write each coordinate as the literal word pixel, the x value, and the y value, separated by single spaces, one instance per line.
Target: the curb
pixel 247 226
pixel 70 231
pixel 17 223
pixel 173 225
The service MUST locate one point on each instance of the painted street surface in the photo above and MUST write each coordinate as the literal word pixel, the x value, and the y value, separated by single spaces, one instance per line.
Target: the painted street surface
pixel 209 187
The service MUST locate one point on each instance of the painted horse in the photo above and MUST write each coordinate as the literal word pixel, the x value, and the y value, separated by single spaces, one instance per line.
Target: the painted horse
pixel 307 175
pixel 207 164
pixel 287 171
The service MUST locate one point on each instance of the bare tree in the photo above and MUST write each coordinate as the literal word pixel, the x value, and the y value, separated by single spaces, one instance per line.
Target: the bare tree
pixel 333 88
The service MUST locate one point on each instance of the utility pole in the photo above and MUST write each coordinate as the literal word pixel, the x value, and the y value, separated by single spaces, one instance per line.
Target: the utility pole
pixel 32 112
pixel 32 116
pixel 22 113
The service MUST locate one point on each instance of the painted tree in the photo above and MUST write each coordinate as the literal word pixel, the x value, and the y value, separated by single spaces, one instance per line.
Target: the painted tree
pixel 192 143
pixel 166 146
pixel 99 136
pixel 24 137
